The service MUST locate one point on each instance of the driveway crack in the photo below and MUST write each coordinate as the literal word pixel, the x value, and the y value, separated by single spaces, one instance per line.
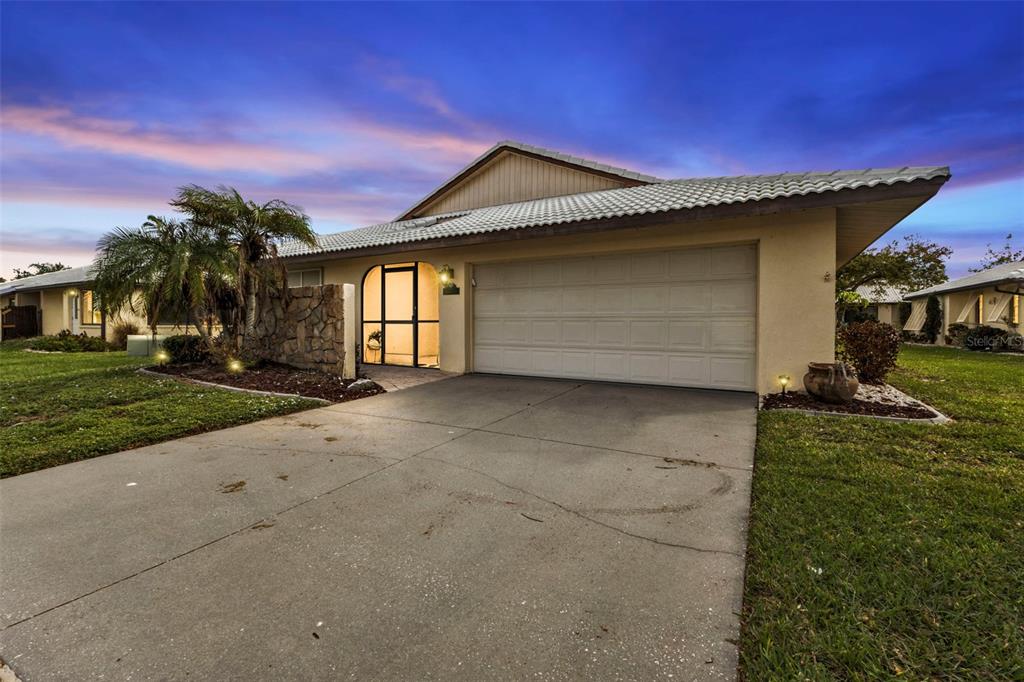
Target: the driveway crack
pixel 584 517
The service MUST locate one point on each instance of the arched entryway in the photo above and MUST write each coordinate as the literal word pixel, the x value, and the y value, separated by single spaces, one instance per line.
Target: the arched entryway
pixel 400 310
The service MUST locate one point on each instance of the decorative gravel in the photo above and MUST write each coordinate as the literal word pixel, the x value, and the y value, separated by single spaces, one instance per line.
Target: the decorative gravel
pixel 880 400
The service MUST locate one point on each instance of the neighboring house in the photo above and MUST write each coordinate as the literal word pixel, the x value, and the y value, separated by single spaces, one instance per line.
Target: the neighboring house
pixel 64 301
pixel 991 297
pixel 884 303
pixel 558 266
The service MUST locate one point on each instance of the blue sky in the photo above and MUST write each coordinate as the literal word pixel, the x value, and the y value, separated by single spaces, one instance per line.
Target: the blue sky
pixel 354 111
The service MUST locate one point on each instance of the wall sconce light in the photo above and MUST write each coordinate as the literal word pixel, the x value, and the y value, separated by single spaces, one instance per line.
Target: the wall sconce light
pixel 72 292
pixel 235 366
pixel 784 382
pixel 447 276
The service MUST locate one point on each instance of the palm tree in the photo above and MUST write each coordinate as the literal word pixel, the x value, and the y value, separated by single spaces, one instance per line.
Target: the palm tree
pixel 163 265
pixel 253 231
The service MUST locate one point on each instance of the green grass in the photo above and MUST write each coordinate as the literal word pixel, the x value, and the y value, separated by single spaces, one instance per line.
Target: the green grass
pixel 62 407
pixel 881 549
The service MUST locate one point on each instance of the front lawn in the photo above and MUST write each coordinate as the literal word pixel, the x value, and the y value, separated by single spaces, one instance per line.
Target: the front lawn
pixel 881 549
pixel 61 407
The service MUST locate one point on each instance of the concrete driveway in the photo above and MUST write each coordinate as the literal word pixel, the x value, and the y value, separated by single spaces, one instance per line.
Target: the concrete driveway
pixel 475 528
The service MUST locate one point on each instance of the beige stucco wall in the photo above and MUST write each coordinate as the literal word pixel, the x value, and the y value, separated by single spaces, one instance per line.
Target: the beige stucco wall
pixel 953 304
pixel 796 281
pixel 55 314
pixel 56 307
pixel 889 313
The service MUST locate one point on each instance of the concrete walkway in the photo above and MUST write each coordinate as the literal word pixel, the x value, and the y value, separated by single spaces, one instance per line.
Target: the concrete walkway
pixel 472 528
pixel 394 378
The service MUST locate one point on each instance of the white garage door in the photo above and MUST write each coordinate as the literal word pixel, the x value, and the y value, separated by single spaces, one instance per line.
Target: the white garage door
pixel 680 317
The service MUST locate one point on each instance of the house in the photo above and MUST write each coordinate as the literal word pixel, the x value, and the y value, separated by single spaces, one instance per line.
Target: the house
pixel 64 300
pixel 991 297
pixel 533 262
pixel 61 301
pixel 884 303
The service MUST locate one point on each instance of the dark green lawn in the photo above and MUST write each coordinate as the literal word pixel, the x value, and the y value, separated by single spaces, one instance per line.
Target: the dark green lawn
pixel 61 407
pixel 882 549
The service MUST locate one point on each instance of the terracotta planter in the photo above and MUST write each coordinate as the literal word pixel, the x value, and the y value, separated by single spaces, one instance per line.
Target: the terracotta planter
pixel 831 382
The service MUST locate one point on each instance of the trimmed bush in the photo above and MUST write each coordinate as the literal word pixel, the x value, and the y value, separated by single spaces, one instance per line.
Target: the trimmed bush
pixel 186 348
pixel 871 347
pixel 984 338
pixel 120 332
pixel 1014 343
pixel 66 342
pixel 956 333
pixel 932 319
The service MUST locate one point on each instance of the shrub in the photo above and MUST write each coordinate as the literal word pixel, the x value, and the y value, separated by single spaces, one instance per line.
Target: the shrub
pixel 956 333
pixel 119 335
pixel 932 319
pixel 186 348
pixel 871 347
pixel 984 338
pixel 66 342
pixel 1014 343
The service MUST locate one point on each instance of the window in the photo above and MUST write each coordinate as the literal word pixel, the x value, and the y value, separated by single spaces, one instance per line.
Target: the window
pixel 90 309
pixel 1015 310
pixel 305 278
pixel 980 309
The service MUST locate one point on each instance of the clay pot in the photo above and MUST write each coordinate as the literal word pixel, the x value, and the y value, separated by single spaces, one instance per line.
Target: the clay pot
pixel 831 382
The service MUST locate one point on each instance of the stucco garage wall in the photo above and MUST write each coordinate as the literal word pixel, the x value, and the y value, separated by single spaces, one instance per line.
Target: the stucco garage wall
pixel 796 280
pixel 55 313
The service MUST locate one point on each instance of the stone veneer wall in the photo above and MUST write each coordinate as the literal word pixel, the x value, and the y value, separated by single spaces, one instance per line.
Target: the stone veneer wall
pixel 304 327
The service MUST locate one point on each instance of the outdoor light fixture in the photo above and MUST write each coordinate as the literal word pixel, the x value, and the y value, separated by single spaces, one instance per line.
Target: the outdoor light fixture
pixel 161 356
pixel 784 381
pixel 235 366
pixel 447 276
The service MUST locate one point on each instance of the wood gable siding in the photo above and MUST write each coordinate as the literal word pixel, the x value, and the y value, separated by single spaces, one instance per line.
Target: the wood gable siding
pixel 511 177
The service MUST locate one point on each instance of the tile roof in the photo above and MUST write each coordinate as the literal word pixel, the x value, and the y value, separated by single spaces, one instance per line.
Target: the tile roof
pixel 882 293
pixel 659 197
pixel 538 151
pixel 63 278
pixel 1008 272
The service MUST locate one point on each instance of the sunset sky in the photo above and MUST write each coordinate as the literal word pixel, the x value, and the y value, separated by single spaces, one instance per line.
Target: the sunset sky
pixel 355 111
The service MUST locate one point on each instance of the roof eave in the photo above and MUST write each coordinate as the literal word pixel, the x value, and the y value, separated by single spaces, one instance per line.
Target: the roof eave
pixel 844 197
pixel 1019 281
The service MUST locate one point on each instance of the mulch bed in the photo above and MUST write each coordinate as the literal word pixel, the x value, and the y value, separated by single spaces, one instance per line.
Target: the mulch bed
pixel 803 401
pixel 276 379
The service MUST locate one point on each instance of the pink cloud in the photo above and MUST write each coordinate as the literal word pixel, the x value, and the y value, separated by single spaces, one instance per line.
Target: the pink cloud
pixel 131 139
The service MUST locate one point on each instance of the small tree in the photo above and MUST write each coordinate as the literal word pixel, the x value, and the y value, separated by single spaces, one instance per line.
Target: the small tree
pixel 253 232
pixel 932 319
pixel 162 266
pixel 1002 256
pixel 914 264
pixel 39 269
pixel 871 347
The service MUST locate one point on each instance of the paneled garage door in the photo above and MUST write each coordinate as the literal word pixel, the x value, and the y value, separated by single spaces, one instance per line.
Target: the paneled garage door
pixel 679 317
